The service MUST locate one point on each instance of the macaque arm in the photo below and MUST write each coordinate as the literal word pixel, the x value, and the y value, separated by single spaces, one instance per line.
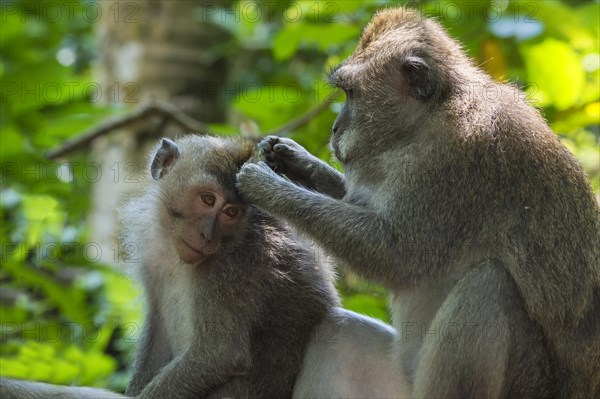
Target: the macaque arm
pixel 349 232
pixel 152 353
pixel 236 387
pixel 327 180
pixel 192 375
pixel 285 156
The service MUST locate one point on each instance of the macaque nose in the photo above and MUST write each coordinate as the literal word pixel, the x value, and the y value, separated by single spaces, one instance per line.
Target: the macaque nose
pixel 206 228
pixel 205 237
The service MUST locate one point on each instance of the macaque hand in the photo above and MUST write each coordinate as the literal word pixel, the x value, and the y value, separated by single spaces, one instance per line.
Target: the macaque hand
pixel 256 182
pixel 287 157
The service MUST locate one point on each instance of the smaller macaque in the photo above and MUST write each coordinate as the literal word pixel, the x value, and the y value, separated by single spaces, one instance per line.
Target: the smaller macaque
pixel 232 298
pixel 240 309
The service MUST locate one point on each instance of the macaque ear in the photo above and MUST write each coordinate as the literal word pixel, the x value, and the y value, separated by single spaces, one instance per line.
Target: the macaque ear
pixel 420 77
pixel 164 158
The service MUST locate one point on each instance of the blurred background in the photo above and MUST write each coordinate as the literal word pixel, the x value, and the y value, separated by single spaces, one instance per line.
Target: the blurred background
pixel 68 313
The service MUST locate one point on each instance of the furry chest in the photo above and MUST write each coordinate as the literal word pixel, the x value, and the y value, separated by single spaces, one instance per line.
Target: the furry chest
pixel 178 308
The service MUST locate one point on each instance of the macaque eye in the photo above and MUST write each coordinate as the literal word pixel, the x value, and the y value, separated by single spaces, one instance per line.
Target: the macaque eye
pixel 175 214
pixel 231 212
pixel 208 199
pixel 349 93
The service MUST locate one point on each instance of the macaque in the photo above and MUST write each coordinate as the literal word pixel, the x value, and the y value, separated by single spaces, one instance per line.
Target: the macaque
pixel 237 306
pixel 480 223
pixel 231 297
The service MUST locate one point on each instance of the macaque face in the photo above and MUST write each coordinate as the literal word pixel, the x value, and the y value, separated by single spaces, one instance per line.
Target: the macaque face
pixel 342 127
pixel 199 207
pixel 385 94
pixel 202 221
pixel 365 109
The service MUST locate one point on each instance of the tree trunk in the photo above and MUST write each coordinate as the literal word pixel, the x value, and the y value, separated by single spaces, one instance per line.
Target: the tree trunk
pixel 150 49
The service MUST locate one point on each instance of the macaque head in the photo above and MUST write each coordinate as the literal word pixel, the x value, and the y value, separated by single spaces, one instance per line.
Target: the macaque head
pixel 392 81
pixel 198 206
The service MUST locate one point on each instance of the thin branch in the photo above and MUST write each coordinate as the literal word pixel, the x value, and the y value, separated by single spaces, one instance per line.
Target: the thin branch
pixel 170 112
pixel 167 110
pixel 306 118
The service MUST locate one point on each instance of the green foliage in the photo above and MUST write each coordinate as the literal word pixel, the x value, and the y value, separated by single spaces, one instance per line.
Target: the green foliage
pixel 561 77
pixel 59 308
pixel 49 283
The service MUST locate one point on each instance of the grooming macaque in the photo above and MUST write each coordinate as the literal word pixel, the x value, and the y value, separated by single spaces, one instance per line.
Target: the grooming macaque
pixel 467 208
pixel 231 298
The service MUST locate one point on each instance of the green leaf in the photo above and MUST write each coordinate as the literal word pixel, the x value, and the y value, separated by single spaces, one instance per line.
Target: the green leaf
pixel 43 217
pixel 324 37
pixel 557 72
pixel 273 104
pixel 368 305
pixel 12 143
pixel 563 22
pixel 286 42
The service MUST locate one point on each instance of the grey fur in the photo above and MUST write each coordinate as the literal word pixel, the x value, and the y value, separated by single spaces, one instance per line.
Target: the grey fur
pixel 350 357
pixel 346 354
pixel 15 389
pixel 236 324
pixel 466 207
